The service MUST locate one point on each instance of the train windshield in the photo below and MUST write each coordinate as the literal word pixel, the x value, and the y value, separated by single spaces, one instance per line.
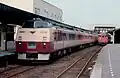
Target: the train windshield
pixel 42 24
pixel 37 24
pixel 28 24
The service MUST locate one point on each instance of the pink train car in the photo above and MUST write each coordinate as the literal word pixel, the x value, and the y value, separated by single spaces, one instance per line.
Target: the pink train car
pixel 103 39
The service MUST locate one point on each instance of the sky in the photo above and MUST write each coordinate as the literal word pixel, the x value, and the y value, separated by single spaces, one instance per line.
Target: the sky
pixel 85 13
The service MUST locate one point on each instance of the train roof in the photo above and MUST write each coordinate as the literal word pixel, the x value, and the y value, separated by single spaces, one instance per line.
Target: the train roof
pixel 63 25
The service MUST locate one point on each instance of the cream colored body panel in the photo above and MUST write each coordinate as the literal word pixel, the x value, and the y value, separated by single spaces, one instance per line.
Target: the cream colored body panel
pixel 70 43
pixel 39 35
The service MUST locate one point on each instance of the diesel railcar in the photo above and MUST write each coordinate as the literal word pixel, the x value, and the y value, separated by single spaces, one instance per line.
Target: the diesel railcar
pixel 40 40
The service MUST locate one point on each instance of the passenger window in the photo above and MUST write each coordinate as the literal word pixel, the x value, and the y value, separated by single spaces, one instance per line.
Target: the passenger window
pixel 71 36
pixel 64 36
pixel 56 36
pixel 99 36
pixel 38 24
pixel 79 36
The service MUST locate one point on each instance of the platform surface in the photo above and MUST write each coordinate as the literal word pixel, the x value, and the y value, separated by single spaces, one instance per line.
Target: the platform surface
pixel 6 53
pixel 108 62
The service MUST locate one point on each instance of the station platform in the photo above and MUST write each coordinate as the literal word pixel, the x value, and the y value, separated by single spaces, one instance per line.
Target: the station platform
pixel 6 53
pixel 108 62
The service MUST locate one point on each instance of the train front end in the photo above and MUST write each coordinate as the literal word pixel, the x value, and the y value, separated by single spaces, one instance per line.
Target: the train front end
pixel 102 39
pixel 34 44
pixel 34 41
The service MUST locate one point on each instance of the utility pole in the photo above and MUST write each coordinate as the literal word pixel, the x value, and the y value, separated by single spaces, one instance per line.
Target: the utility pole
pixel 6 37
pixel 113 37
pixel 4 27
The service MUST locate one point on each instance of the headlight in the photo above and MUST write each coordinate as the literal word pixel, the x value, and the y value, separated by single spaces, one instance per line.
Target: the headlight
pixel 19 43
pixel 44 44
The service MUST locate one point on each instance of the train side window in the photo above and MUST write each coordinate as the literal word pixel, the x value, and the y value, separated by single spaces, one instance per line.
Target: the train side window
pixel 82 36
pixel 99 35
pixel 55 36
pixel 28 24
pixel 85 36
pixel 38 24
pixel 90 37
pixel 59 36
pixel 71 36
pixel 64 36
pixel 79 36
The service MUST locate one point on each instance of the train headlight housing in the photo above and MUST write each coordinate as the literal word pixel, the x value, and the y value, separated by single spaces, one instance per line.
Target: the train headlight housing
pixel 20 43
pixel 44 44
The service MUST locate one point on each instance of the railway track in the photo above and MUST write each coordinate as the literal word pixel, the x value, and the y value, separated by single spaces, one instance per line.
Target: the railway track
pixel 76 69
pixel 73 71
pixel 16 71
pixel 8 68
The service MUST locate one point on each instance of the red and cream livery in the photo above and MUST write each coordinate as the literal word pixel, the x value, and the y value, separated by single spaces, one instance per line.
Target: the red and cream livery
pixel 41 43
pixel 103 39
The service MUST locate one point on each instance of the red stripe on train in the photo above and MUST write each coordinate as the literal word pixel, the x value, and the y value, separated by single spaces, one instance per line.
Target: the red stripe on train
pixel 41 47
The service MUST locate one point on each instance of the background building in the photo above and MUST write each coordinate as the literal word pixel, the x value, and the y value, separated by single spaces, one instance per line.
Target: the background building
pixel 39 7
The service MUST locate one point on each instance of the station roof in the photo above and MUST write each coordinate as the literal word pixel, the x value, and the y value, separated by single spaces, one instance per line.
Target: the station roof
pixel 103 27
pixel 11 15
pixel 117 29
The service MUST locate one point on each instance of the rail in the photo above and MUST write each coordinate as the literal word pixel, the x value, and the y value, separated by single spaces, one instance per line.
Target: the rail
pixel 79 60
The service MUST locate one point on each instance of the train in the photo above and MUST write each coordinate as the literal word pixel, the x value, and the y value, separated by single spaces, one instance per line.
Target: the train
pixel 103 39
pixel 41 40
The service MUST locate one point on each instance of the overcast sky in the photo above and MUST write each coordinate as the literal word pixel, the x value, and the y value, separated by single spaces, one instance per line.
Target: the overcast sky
pixel 88 12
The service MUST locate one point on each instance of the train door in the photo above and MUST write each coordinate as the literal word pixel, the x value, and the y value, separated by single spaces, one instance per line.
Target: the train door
pixel 58 42
pixel 55 39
